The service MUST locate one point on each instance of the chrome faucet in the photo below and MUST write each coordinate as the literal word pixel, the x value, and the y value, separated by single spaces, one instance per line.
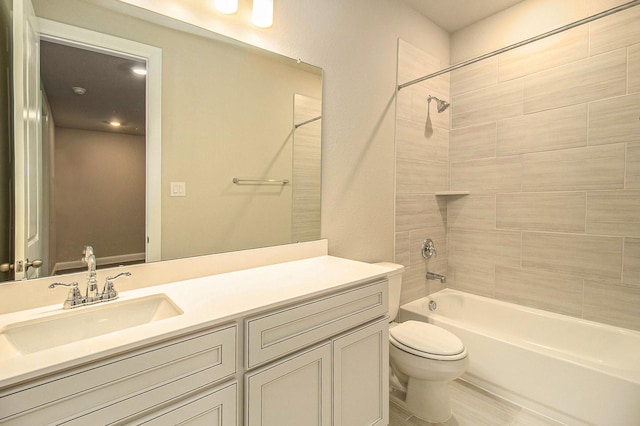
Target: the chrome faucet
pixel 92 294
pixel 434 276
pixel 92 282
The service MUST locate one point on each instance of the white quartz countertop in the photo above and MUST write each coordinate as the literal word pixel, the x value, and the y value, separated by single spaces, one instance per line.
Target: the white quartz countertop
pixel 206 302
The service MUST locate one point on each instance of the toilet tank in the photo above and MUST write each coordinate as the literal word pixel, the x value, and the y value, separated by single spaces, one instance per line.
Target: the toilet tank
pixel 395 286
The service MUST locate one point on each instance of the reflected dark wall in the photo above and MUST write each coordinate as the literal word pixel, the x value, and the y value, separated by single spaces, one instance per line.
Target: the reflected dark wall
pixel 6 136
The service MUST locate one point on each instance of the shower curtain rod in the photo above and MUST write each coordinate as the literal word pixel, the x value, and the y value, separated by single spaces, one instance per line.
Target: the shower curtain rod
pixel 522 43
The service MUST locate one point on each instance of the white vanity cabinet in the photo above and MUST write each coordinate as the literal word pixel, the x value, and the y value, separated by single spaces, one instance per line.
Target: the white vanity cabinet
pixel 341 381
pixel 272 346
pixel 125 387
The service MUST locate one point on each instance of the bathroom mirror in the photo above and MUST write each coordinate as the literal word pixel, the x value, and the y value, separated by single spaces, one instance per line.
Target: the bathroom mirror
pixel 229 110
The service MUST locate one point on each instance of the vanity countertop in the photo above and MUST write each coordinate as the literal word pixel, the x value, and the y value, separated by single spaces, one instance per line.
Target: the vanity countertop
pixel 206 302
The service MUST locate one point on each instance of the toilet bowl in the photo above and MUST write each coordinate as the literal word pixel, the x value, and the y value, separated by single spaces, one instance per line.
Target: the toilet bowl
pixel 424 359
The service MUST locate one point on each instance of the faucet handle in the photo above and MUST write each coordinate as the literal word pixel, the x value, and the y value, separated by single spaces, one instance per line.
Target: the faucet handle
pixel 109 290
pixel 429 249
pixel 73 298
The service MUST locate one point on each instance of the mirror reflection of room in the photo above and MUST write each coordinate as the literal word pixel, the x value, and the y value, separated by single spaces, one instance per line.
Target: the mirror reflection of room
pixel 93 158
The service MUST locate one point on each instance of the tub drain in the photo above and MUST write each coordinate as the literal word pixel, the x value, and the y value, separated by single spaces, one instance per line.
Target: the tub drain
pixel 432 305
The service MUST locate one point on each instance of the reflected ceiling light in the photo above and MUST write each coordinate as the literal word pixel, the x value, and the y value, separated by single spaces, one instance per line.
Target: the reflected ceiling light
pixel 262 15
pixel 226 6
pixel 139 70
pixel 79 90
pixel 115 123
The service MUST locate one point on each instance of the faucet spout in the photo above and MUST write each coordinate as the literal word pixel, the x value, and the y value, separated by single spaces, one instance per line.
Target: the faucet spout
pixel 92 281
pixel 434 276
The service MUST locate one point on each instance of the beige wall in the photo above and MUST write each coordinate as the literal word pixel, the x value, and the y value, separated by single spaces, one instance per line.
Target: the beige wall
pixel 546 139
pixel 99 187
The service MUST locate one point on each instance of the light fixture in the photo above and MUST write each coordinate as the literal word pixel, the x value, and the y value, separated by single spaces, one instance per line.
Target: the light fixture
pixel 139 70
pixel 262 15
pixel 79 90
pixel 115 123
pixel 226 6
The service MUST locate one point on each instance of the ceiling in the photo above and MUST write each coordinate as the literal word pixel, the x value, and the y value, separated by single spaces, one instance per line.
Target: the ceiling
pixel 113 91
pixel 453 15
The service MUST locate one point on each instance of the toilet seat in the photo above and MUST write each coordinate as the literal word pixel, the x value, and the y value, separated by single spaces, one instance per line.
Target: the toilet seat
pixel 427 341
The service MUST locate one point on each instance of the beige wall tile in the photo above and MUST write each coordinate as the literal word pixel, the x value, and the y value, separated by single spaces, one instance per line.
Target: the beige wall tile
pixel 614 31
pixel 594 78
pixel 559 128
pixel 540 289
pixel 555 212
pixel 414 285
pixel 473 248
pixel 421 177
pixel 633 84
pixel 613 213
pixel 472 212
pixel 403 104
pixel 632 175
pixel 414 63
pixel 471 143
pixel 581 255
pixel 486 105
pixel 550 52
pixel 612 304
pixel 476 279
pixel 490 175
pixel 631 262
pixel 403 249
pixel 475 76
pixel 419 211
pixel 614 120
pixel 413 144
pixel 597 167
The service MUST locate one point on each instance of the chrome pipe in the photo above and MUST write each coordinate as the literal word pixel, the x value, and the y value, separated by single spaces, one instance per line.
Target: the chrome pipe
pixel 522 43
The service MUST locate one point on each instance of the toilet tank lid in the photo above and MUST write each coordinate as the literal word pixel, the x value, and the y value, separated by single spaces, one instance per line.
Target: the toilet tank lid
pixel 427 338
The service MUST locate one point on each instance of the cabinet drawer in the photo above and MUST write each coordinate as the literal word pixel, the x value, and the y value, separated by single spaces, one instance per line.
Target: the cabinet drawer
pixel 278 333
pixel 208 355
pixel 216 407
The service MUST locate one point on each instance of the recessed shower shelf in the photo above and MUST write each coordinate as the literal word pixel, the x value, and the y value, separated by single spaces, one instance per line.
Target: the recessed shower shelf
pixel 451 193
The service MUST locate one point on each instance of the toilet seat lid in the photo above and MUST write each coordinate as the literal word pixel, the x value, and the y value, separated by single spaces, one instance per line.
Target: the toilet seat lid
pixel 427 338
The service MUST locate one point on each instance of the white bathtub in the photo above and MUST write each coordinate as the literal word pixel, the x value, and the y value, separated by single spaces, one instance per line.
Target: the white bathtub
pixel 572 370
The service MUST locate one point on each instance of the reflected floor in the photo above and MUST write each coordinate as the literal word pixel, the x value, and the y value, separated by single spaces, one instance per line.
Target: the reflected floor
pixel 472 406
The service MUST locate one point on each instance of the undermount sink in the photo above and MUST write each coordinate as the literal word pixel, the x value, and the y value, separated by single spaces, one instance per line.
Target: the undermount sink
pixel 82 323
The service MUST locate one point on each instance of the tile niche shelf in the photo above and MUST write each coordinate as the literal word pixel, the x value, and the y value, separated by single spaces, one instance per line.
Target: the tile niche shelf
pixel 451 193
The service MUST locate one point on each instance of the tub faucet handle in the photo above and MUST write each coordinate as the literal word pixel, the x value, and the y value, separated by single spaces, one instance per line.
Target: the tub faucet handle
pixel 429 249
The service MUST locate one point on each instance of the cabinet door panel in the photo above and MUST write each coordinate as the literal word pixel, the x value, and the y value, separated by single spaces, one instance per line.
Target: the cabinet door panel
pixel 294 391
pixel 361 376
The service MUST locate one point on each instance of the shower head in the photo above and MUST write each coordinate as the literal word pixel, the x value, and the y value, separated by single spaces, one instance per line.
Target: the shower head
pixel 440 104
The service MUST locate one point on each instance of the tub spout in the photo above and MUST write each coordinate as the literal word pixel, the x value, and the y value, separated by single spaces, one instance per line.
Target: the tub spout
pixel 434 276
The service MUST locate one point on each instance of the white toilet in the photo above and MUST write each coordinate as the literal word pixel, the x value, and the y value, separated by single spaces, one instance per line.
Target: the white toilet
pixel 424 359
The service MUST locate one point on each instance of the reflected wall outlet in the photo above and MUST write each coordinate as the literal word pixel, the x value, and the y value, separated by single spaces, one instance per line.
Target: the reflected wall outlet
pixel 178 189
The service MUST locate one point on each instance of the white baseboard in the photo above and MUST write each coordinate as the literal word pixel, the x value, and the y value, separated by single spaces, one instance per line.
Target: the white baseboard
pixel 100 261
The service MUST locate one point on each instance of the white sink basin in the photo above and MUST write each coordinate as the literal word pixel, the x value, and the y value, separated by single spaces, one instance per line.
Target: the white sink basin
pixel 82 323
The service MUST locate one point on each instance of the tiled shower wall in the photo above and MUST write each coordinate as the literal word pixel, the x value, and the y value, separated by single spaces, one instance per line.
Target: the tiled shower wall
pixel 422 169
pixel 546 139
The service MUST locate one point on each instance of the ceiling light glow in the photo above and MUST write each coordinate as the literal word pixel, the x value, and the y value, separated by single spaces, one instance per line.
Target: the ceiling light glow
pixel 226 6
pixel 262 15
pixel 115 123
pixel 139 70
